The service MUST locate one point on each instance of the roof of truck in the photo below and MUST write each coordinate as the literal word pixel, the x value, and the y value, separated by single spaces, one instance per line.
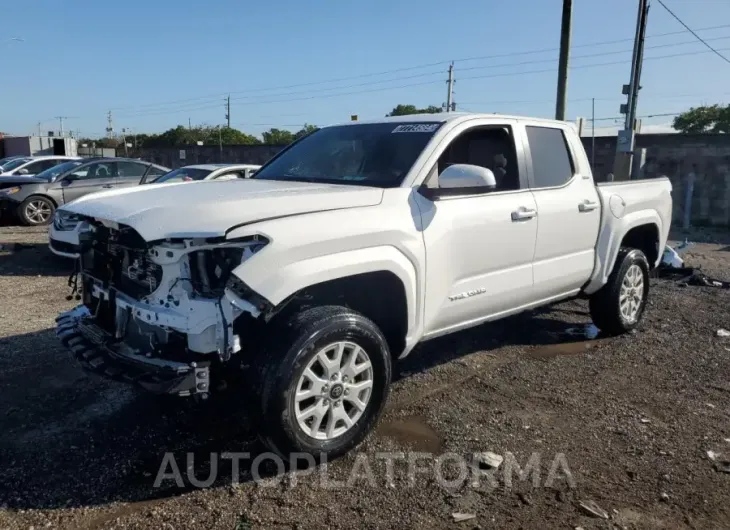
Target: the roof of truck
pixel 452 116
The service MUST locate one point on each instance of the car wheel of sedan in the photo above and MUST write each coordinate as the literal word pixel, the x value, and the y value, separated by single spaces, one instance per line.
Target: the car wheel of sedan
pixel 322 382
pixel 36 211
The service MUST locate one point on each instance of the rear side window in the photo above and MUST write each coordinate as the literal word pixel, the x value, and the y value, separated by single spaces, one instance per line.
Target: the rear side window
pixel 130 170
pixel 551 162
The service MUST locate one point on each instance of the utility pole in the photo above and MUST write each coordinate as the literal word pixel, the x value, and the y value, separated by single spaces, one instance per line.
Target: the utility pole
pixel 124 139
pixel 109 126
pixel 39 129
pixel 593 136
pixel 60 123
pixel 565 30
pixel 228 110
pixel 450 105
pixel 220 143
pixel 190 125
pixel 625 141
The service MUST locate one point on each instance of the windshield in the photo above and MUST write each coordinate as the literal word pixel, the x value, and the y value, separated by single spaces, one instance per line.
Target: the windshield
pixel 371 154
pixel 16 162
pixel 52 172
pixel 184 174
pixel 6 160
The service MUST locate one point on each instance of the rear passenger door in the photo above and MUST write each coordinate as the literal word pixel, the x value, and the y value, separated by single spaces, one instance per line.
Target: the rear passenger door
pixel 568 211
pixel 129 174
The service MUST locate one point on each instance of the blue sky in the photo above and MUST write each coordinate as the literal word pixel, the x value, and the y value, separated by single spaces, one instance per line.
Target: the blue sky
pixel 155 64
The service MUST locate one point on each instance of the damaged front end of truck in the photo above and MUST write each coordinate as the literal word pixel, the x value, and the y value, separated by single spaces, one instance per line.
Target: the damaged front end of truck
pixel 158 314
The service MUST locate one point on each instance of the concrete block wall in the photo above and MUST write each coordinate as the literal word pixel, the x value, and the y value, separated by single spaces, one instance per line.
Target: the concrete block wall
pixel 704 158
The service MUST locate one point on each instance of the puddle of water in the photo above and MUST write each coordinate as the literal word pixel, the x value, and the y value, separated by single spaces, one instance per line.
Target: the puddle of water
pixel 414 432
pixel 589 331
pixel 544 353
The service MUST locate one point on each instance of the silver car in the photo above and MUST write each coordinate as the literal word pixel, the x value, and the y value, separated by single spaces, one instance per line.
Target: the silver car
pixel 34 199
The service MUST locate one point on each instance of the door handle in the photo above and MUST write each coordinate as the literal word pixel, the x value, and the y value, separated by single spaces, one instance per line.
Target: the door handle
pixel 523 213
pixel 108 186
pixel 587 206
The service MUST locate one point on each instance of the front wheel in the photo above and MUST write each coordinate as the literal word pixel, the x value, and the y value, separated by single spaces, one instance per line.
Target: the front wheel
pixel 619 305
pixel 322 382
pixel 36 211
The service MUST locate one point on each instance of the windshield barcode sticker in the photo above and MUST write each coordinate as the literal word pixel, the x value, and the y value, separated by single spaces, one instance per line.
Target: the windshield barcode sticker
pixel 417 128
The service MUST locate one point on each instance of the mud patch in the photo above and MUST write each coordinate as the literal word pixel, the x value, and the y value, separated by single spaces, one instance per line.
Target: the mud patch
pixel 414 432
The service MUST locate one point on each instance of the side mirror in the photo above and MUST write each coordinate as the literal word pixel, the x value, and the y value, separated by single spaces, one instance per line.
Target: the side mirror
pixel 467 176
pixel 70 178
pixel 22 171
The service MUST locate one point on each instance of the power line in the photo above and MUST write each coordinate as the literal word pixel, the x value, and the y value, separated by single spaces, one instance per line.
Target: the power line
pixel 380 89
pixel 721 56
pixel 590 55
pixel 602 98
pixel 617 118
pixel 405 69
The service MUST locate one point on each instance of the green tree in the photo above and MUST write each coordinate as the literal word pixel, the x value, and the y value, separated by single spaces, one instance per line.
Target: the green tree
pixel 404 110
pixel 278 137
pixel 111 143
pixel 207 134
pixel 307 129
pixel 712 118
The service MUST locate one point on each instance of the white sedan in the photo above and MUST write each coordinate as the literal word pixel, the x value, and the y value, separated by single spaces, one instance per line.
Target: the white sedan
pixel 208 172
pixel 27 166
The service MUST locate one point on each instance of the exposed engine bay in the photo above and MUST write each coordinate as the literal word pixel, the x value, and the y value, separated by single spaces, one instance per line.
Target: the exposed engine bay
pixel 173 300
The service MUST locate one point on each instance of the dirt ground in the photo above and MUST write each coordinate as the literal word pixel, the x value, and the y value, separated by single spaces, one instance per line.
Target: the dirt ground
pixel 625 423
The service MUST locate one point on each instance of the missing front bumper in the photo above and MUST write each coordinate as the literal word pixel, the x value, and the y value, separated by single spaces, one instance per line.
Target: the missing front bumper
pixel 98 352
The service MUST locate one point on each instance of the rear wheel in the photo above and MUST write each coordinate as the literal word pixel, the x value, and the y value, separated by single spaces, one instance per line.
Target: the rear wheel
pixel 619 305
pixel 36 211
pixel 322 382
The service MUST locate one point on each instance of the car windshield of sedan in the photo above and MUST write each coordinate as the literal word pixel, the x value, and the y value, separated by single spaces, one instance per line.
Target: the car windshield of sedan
pixel 184 174
pixel 17 162
pixel 368 154
pixel 51 173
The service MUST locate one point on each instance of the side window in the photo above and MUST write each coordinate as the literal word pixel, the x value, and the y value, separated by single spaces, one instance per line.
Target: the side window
pixel 41 165
pixel 230 175
pixel 489 147
pixel 156 171
pixel 131 170
pixel 95 171
pixel 551 162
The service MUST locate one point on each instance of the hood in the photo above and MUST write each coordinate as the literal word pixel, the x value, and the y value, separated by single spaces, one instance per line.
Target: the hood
pixel 7 181
pixel 210 208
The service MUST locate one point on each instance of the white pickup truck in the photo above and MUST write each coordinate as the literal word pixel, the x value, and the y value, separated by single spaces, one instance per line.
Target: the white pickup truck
pixel 347 249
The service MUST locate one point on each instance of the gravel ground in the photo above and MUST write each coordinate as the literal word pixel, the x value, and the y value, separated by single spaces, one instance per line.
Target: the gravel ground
pixel 625 423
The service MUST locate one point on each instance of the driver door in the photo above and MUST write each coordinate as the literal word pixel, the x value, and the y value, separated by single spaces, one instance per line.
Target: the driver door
pixel 479 245
pixel 98 176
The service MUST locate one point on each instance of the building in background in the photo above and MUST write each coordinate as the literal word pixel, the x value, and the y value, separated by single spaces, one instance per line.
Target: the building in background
pixel 38 146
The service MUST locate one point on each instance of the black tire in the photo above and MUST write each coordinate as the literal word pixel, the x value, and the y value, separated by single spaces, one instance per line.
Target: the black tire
pixel 605 304
pixel 281 362
pixel 45 208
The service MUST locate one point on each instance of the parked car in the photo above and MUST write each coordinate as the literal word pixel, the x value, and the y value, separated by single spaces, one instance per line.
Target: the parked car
pixel 347 249
pixel 208 172
pixel 27 166
pixel 65 242
pixel 4 161
pixel 34 199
